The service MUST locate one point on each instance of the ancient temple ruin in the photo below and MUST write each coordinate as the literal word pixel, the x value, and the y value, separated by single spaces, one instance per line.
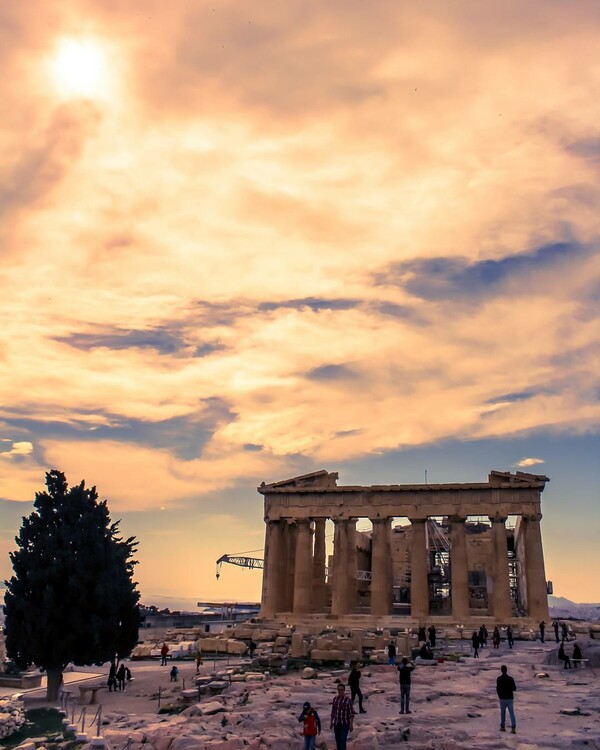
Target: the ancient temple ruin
pixel 435 551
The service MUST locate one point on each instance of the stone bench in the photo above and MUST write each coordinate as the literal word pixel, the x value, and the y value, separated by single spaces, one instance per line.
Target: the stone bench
pixel 92 689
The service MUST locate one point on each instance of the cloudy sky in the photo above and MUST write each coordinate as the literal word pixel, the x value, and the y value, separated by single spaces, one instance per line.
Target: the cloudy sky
pixel 243 241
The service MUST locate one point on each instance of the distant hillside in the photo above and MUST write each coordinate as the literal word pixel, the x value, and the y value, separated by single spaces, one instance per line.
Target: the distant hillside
pixel 561 607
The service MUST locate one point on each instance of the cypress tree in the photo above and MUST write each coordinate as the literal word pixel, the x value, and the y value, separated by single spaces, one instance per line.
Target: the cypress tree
pixel 72 597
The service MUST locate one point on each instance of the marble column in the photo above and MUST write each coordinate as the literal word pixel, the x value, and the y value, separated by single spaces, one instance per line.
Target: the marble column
pixel 303 568
pixel 343 598
pixel 500 600
pixel 419 581
pixel 288 562
pixel 381 568
pixel 459 571
pixel 535 575
pixel 319 559
pixel 340 563
pixel 351 571
pixel 273 571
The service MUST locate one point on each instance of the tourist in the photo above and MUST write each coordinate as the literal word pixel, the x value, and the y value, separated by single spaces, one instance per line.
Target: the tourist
pixel 509 636
pixel 251 649
pixel 563 657
pixel 425 652
pixel 565 632
pixel 577 655
pixel 112 678
pixel 354 684
pixel 483 636
pixel 121 677
pixel 432 635
pixel 475 644
pixel 422 636
pixel 555 626
pixel 198 660
pixel 542 630
pixel 128 675
pixel 496 637
pixel 392 653
pixel 505 688
pixel 163 655
pixel 174 673
pixel 404 671
pixel 311 726
pixel 342 717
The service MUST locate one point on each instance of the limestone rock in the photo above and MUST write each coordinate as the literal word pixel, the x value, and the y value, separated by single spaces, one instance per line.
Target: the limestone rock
pixel 210 708
pixel 308 673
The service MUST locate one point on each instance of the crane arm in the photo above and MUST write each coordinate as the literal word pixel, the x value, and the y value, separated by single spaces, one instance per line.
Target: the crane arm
pixel 241 561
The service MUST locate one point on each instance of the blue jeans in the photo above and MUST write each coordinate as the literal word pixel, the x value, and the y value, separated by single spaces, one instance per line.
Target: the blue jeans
pixel 504 704
pixel 341 735
pixel 392 661
pixel 404 698
pixel 309 742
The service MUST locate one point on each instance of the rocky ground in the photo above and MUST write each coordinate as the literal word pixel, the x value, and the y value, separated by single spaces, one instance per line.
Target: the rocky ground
pixel 454 706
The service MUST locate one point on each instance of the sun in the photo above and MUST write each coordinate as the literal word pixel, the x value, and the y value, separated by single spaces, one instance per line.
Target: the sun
pixel 79 69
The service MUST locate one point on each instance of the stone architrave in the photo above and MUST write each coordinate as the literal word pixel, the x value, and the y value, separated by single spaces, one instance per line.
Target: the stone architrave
pixel 459 573
pixel 381 568
pixel 500 599
pixel 419 569
pixel 535 575
pixel 303 568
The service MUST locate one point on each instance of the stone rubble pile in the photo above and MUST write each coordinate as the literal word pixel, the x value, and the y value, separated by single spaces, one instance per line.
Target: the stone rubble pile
pixel 275 642
pixel 12 717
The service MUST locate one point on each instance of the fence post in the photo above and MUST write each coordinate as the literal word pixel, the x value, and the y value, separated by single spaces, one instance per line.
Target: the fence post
pixel 99 721
pixel 159 693
pixel 83 720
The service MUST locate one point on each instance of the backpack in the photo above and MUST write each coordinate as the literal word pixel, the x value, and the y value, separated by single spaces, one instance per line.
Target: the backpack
pixel 310 724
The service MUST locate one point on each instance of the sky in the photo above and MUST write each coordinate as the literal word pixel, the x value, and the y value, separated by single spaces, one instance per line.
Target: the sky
pixel 244 241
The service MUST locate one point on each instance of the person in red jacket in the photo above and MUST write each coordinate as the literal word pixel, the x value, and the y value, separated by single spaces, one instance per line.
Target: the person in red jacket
pixel 311 726
pixel 163 655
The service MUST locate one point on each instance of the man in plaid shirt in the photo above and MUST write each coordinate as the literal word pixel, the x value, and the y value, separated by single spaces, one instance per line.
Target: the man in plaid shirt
pixel 342 717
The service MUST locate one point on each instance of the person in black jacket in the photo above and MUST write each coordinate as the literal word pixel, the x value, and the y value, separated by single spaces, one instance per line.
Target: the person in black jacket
pixel 354 685
pixel 404 671
pixel 505 688
pixel 475 644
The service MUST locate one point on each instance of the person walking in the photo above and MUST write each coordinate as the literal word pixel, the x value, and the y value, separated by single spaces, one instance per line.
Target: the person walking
pixel 496 637
pixel 174 673
pixel 505 689
pixel 392 654
pixel 565 631
pixel 121 677
pixel 563 657
pixel 164 651
pixel 354 685
pixel 342 717
pixel 112 678
pixel 475 644
pixel 555 626
pixel 542 630
pixel 311 726
pixel 198 660
pixel 577 655
pixel 483 634
pixel 432 635
pixel 404 671
pixel 509 636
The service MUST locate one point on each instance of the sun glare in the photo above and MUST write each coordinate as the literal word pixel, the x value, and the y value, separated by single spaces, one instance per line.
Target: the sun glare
pixel 79 69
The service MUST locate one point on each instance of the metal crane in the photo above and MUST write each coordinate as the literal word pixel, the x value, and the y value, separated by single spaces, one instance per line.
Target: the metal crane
pixel 243 562
pixel 259 563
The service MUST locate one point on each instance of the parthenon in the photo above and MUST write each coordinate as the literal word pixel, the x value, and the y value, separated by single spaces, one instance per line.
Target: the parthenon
pixel 450 557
